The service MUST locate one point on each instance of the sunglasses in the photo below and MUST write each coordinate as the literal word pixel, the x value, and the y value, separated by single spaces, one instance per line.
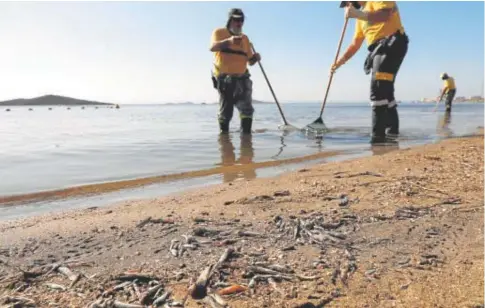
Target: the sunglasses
pixel 241 20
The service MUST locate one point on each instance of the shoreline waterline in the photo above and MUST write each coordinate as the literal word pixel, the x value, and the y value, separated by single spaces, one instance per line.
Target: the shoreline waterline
pixel 59 201
pixel 106 187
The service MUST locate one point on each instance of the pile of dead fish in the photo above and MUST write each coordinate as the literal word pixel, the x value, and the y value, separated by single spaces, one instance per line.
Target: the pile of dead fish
pixel 146 289
pixel 313 229
pixel 134 287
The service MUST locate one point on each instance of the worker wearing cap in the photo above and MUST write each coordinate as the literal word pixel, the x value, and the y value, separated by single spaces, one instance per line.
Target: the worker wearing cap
pixel 379 23
pixel 230 76
pixel 449 90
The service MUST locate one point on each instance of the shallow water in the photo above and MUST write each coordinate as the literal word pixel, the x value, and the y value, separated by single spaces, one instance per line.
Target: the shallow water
pixel 47 149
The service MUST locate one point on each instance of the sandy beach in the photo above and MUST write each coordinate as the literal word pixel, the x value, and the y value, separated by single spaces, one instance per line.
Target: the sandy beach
pixel 401 229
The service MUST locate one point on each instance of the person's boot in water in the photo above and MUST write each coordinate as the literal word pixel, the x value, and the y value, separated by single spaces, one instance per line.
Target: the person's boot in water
pixel 246 125
pixel 379 121
pixel 392 127
pixel 223 127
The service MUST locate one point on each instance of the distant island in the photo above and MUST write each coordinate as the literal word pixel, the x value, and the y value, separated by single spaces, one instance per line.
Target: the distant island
pixel 50 100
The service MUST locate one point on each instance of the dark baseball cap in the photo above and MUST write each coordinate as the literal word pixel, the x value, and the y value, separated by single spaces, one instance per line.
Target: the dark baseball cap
pixel 355 4
pixel 236 13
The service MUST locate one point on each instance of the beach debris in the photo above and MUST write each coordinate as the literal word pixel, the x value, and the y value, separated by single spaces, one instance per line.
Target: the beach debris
pixel 199 289
pixel 55 286
pixel 281 193
pixel 111 303
pixel 232 289
pixel 344 201
pixel 364 174
pixel 249 234
pixel 162 299
pixel 17 301
pixel 135 276
pixel 410 212
pixel 150 293
pixel 149 220
pixel 215 301
pixel 204 232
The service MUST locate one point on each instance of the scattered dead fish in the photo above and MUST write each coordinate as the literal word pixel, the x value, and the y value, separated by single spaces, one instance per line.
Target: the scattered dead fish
pixel 287 248
pixel 162 299
pixel 297 229
pixel 337 235
pixel 200 231
pixel 281 193
pixel 145 297
pixel 199 289
pixel 262 270
pixel 272 282
pixel 55 286
pixel 225 242
pixel 174 247
pixel 215 302
pixel 280 268
pixel 365 173
pixel 199 220
pixel 404 261
pixel 344 201
pixel 331 226
pixel 224 257
pixel 307 278
pixel 249 234
pixel 221 284
pixel 189 239
pixel 17 300
pixel 117 287
pixel 110 303
pixel 143 222
pixel 336 274
pixel 232 289
pixel 135 276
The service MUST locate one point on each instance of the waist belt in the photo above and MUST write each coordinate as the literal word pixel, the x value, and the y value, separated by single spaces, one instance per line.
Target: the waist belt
pixel 234 85
pixel 380 46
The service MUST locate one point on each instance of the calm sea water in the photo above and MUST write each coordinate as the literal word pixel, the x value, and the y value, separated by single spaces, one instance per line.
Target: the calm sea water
pixel 47 149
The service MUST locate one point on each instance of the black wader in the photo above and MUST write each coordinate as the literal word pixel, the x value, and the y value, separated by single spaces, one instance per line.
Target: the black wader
pixel 384 59
pixel 449 96
pixel 235 91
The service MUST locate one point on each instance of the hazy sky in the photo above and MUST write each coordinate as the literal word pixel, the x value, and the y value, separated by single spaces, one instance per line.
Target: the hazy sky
pixel 154 52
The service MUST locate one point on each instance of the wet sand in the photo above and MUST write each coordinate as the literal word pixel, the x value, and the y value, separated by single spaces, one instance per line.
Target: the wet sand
pixel 401 229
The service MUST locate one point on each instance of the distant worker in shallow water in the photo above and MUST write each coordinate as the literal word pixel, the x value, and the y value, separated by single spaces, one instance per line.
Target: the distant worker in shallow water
pixel 230 76
pixel 449 90
pixel 379 23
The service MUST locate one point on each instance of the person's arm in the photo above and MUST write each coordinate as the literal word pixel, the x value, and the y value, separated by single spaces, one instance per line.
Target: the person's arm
pixel 350 51
pixel 352 48
pixel 443 91
pixel 252 57
pixel 217 43
pixel 381 13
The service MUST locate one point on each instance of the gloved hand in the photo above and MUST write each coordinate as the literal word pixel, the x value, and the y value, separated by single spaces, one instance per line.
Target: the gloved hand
pixel 352 12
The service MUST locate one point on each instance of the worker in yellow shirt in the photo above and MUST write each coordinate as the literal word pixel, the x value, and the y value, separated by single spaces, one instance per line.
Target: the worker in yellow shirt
pixel 449 90
pixel 379 23
pixel 232 53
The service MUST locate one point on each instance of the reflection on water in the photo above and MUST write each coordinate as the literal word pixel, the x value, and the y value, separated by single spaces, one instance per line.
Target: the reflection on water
pixel 444 122
pixel 228 157
pixel 383 149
